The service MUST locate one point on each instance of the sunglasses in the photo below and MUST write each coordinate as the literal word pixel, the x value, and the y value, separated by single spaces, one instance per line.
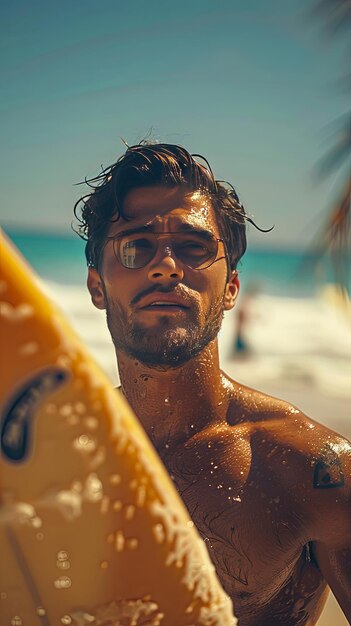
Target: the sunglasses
pixel 135 249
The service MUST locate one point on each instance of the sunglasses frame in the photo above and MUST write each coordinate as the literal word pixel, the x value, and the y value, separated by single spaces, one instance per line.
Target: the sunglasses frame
pixel 157 236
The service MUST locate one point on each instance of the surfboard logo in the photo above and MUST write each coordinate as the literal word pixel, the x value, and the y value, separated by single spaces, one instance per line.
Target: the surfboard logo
pixel 17 422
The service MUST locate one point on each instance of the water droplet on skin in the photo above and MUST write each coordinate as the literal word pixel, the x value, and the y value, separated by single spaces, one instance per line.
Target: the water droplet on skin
pixel 39 536
pixel 66 410
pixel 81 618
pixel 132 543
pixel 66 619
pixel 93 488
pixel 63 564
pixel 79 407
pixel 129 511
pixel 63 582
pixel 120 541
pixel 62 555
pixel 41 611
pixel 166 400
pixel 159 533
pixel 140 496
pixel 293 410
pixel 16 621
pixel 115 479
pixel 104 564
pixel 84 443
pixel 91 422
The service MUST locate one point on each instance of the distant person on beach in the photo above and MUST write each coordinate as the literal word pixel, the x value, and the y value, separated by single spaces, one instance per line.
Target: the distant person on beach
pixel 268 488
pixel 241 347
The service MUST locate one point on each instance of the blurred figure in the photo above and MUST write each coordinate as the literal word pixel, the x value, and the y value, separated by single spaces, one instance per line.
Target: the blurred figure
pixel 241 347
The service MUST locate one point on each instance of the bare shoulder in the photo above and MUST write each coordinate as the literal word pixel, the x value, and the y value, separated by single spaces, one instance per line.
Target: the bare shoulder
pixel 290 433
pixel 279 429
pixel 279 446
pixel 310 462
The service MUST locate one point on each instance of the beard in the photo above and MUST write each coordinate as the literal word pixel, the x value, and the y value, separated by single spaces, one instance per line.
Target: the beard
pixel 169 344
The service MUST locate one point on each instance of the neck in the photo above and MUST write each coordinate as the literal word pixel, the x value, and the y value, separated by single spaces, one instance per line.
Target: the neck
pixel 173 404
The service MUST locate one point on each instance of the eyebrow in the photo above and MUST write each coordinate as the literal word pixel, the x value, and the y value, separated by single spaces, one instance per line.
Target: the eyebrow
pixel 150 228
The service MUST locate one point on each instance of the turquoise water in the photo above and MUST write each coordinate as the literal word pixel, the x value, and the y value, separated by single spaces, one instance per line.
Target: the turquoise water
pixel 61 258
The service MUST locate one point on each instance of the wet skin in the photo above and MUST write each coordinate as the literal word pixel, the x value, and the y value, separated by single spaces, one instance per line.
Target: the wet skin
pixel 267 487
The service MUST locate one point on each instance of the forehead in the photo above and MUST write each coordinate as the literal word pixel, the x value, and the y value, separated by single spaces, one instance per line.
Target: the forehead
pixel 168 208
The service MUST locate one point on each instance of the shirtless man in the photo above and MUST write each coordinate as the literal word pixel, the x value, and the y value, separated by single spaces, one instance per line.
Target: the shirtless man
pixel 267 487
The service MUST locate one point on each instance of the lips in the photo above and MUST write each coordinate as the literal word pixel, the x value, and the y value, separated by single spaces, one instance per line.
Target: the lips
pixel 162 301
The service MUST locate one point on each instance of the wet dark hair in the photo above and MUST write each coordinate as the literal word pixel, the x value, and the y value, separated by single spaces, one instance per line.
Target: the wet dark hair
pixel 147 164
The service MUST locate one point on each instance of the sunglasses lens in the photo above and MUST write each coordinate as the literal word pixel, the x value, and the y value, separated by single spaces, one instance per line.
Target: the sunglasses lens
pixel 136 250
pixel 195 250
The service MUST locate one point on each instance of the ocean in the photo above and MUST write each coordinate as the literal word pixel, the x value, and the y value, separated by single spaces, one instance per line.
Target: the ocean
pixel 296 331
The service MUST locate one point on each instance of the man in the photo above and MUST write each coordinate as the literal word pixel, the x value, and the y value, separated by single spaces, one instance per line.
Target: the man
pixel 268 488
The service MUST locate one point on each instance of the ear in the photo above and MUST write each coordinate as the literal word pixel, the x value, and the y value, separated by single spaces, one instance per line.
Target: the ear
pixel 231 291
pixel 94 283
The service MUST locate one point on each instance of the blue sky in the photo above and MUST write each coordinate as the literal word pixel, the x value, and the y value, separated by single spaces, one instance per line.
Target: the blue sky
pixel 253 86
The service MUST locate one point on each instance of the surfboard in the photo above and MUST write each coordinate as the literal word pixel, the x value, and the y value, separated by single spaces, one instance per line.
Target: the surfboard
pixel 92 531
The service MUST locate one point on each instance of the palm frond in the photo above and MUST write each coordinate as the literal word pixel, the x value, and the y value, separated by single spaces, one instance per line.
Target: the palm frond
pixel 337 14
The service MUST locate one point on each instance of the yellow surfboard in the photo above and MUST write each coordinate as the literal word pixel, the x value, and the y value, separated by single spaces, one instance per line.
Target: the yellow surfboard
pixel 92 531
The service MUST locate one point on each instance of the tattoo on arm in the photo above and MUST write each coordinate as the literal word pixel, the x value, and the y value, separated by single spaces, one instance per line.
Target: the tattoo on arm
pixel 328 472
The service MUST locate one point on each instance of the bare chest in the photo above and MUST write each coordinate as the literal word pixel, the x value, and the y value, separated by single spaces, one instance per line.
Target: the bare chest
pixel 255 543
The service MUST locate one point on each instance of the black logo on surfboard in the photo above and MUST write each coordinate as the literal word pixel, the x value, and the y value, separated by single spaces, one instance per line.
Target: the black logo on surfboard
pixel 18 417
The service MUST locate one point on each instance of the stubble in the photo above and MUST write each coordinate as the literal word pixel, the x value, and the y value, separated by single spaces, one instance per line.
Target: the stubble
pixel 169 343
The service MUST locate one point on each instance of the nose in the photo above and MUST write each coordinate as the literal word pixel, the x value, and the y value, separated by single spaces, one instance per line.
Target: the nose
pixel 165 267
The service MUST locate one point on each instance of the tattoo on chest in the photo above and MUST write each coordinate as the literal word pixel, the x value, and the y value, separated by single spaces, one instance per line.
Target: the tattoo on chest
pixel 225 545
pixel 224 542
pixel 328 472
